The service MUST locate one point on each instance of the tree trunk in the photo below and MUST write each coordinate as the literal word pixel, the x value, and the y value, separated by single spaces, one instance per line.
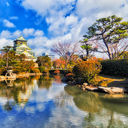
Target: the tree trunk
pixel 7 61
pixel 108 50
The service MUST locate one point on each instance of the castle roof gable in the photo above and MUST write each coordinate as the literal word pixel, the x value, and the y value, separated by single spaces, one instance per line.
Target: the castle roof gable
pixel 21 38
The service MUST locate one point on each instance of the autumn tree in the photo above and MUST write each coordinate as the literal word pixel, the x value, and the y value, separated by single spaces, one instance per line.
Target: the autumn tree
pixel 109 32
pixel 59 63
pixel 10 60
pixel 65 50
pixel 44 62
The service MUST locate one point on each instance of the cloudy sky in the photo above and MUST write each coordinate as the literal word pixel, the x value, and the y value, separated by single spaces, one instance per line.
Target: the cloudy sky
pixel 46 22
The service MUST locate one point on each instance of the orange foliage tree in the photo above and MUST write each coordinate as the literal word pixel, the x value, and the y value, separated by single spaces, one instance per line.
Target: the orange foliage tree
pixel 87 70
pixel 59 63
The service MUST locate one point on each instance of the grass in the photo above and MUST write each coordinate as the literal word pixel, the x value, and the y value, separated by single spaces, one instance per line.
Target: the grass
pixel 111 81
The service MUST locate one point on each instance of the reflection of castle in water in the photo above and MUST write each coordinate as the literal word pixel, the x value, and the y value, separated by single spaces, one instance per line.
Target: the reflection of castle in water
pixel 24 95
pixel 19 91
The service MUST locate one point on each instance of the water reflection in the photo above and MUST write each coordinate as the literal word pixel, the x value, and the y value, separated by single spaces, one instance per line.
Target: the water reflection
pixel 103 110
pixel 45 82
pixel 45 102
pixel 16 92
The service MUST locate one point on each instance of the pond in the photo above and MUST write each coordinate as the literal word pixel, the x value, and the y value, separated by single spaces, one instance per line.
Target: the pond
pixel 46 102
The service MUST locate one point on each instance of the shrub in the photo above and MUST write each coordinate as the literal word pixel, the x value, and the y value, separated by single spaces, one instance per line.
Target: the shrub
pixel 69 75
pixel 115 67
pixel 42 68
pixel 57 72
pixel 87 70
pixel 35 70
pixel 2 71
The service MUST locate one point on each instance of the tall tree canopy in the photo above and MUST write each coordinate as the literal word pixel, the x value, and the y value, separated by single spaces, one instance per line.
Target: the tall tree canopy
pixel 109 31
pixel 44 63
pixel 6 50
pixel 88 47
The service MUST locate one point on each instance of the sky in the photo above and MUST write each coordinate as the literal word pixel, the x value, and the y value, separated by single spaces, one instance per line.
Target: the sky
pixel 46 22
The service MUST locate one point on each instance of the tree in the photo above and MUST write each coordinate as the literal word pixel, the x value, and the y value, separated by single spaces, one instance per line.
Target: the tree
pixel 44 62
pixel 87 46
pixel 110 32
pixel 65 50
pixel 6 50
pixel 123 55
pixel 59 63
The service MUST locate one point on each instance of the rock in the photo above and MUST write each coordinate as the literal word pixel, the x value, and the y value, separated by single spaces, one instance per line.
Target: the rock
pixel 90 88
pixel 112 90
pixel 78 85
pixel 85 84
pixel 83 89
pixel 69 82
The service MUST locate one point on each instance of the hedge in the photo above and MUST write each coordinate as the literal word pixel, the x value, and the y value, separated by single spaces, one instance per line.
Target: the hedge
pixel 115 67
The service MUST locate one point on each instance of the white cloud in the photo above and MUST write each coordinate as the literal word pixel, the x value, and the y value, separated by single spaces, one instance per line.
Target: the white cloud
pixel 39 33
pixel 93 8
pixel 55 12
pixel 16 34
pixel 5 34
pixel 28 32
pixel 71 20
pixel 8 24
pixel 7 4
pixel 60 24
pixel 13 18
pixel 5 42
pixel 43 7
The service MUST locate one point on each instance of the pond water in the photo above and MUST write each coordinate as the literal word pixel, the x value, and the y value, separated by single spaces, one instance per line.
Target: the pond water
pixel 44 102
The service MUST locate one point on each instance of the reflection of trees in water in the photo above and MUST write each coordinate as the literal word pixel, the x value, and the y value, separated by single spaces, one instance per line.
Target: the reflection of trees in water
pixel 6 91
pixel 57 78
pixel 19 91
pixel 73 90
pixel 9 82
pixel 89 102
pixel 116 122
pixel 63 99
pixel 45 82
pixel 9 105
pixel 95 106
pixel 118 105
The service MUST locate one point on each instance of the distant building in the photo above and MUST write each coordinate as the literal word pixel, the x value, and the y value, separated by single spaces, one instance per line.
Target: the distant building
pixel 21 47
pixel 46 54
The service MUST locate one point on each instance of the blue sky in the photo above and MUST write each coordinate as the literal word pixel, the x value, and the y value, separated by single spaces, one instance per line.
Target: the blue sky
pixel 46 22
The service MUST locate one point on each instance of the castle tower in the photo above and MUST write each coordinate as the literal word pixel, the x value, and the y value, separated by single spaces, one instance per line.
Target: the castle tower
pixel 21 47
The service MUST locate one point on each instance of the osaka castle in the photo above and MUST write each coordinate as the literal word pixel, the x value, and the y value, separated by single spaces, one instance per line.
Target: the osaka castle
pixel 21 47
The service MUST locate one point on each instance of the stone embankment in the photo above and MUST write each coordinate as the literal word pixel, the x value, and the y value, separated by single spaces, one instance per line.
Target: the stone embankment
pixel 21 75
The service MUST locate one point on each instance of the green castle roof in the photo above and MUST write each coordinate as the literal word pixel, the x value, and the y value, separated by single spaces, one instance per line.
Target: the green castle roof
pixel 21 38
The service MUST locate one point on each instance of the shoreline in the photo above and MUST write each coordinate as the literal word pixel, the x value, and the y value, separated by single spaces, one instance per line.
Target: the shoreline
pixel 20 75
pixel 109 84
